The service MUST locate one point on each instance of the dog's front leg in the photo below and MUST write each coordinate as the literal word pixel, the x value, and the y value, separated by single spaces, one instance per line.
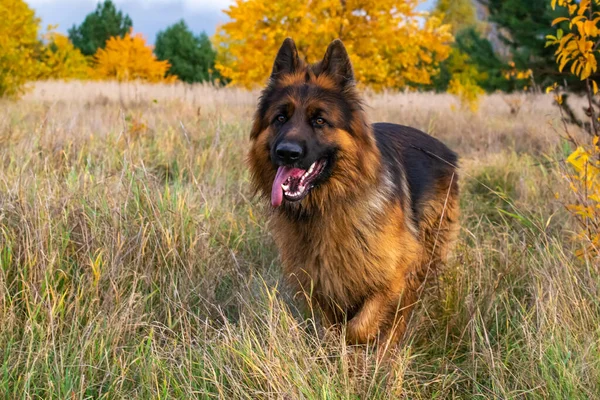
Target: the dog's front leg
pixel 383 314
pixel 365 325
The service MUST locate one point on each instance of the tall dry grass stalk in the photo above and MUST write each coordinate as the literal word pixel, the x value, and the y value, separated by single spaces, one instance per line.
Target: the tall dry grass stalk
pixel 134 261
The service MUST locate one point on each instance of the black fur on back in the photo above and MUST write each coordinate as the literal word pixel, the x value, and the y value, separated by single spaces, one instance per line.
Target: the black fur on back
pixel 425 160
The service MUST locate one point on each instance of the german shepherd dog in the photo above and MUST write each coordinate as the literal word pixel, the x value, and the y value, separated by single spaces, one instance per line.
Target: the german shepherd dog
pixel 362 213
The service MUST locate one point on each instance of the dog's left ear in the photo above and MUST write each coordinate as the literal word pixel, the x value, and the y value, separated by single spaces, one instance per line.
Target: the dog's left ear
pixel 287 60
pixel 337 65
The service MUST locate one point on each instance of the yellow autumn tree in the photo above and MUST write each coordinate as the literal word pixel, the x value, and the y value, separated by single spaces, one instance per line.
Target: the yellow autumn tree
pixel 464 78
pixel 130 58
pixel 61 60
pixel 19 46
pixel 390 43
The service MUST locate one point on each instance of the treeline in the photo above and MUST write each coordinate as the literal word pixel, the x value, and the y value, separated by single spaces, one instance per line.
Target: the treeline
pixel 191 57
pixel 465 47
pixel 500 45
pixel 103 46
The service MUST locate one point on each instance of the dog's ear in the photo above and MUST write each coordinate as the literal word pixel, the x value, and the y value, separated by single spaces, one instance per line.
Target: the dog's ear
pixel 337 65
pixel 287 60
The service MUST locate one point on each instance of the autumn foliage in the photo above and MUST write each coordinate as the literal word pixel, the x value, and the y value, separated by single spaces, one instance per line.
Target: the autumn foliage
pixel 61 60
pixel 26 55
pixel 456 13
pixel 577 48
pixel 391 44
pixel 130 58
pixel 19 46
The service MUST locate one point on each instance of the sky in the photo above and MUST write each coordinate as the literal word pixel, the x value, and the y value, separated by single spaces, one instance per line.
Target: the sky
pixel 149 16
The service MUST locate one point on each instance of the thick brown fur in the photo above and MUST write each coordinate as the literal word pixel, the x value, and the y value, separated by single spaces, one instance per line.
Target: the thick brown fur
pixel 362 243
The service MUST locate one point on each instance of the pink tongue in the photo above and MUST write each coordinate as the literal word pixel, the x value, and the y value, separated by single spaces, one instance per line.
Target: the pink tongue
pixel 283 173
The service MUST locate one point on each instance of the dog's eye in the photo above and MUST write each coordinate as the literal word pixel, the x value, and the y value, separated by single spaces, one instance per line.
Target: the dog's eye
pixel 319 121
pixel 281 118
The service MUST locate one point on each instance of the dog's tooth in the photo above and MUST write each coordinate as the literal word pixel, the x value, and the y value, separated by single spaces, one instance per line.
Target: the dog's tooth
pixel 308 173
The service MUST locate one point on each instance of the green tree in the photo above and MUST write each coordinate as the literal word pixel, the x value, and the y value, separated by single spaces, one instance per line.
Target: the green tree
pixel 519 28
pixel 459 73
pixel 482 55
pixel 460 14
pixel 523 27
pixel 191 56
pixel 98 27
pixel 473 52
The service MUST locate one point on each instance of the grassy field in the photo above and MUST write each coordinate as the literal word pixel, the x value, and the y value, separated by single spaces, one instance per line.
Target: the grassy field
pixel 135 263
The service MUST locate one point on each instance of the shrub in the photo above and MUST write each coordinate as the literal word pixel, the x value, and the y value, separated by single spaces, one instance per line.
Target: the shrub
pixel 578 40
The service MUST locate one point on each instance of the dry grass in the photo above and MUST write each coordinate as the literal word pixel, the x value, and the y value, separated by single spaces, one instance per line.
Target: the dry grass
pixel 135 263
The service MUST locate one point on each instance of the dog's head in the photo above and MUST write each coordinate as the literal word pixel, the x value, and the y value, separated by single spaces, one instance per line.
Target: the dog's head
pixel 310 134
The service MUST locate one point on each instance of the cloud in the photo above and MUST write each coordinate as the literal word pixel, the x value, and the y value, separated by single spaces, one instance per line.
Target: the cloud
pixel 189 5
pixel 149 16
pixel 195 5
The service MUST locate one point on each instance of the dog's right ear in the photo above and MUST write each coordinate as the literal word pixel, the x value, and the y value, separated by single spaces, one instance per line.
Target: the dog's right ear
pixel 337 65
pixel 287 60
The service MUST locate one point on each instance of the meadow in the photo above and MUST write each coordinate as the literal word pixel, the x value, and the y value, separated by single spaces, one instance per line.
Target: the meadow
pixel 135 261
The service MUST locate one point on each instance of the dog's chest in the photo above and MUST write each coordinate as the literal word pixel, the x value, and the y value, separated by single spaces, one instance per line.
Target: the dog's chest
pixel 339 260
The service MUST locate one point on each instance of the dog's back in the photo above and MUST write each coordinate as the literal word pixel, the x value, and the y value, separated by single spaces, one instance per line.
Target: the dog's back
pixel 430 170
pixel 426 161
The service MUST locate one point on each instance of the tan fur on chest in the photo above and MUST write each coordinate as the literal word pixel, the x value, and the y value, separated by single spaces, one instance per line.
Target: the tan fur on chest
pixel 346 256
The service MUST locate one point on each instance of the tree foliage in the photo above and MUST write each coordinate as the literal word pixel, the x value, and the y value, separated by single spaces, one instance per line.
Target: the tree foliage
pixel 586 185
pixel 105 22
pixel 61 60
pixel 459 14
pixel 192 57
pixel 478 54
pixel 19 46
pixel 473 51
pixel 577 48
pixel 390 43
pixel 130 58
pixel 459 74
pixel 523 28
pixel 484 58
pixel 463 79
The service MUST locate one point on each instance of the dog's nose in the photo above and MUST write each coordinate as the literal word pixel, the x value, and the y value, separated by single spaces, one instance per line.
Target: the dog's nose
pixel 289 152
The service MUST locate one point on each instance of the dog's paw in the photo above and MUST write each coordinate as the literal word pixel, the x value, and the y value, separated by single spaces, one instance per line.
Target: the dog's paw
pixel 359 333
